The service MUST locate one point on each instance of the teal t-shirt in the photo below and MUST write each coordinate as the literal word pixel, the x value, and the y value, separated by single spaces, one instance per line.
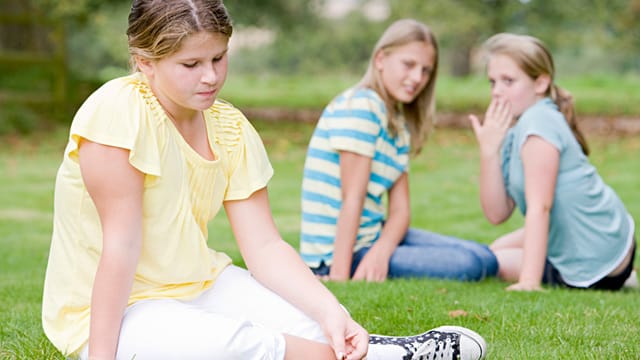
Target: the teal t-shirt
pixel 590 230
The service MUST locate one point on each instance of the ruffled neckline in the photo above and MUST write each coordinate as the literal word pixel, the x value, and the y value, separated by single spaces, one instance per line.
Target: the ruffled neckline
pixel 141 84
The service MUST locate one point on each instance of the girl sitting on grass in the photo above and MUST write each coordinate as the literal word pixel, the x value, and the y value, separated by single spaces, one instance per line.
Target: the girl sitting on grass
pixel 151 158
pixel 577 232
pixel 359 152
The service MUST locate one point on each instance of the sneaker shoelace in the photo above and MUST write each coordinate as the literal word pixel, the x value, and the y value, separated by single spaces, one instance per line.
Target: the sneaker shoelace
pixel 431 345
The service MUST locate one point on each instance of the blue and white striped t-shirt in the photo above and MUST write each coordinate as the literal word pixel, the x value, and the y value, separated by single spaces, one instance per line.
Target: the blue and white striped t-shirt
pixel 355 121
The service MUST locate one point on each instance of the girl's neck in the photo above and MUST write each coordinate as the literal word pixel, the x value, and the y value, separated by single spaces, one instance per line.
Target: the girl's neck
pixel 184 117
pixel 193 130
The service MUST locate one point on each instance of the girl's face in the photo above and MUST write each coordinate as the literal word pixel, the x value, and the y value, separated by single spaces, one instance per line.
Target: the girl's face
pixel 510 83
pixel 189 79
pixel 405 70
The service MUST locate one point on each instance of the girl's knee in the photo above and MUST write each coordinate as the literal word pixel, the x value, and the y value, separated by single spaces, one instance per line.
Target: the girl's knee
pixel 473 267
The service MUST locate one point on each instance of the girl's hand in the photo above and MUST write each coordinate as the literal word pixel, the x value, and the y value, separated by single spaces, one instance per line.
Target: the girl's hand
pixel 347 338
pixel 524 287
pixel 492 131
pixel 356 341
pixel 338 274
pixel 374 267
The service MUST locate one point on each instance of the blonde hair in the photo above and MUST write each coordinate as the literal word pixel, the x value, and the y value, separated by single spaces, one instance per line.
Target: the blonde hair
pixel 420 113
pixel 533 57
pixel 158 27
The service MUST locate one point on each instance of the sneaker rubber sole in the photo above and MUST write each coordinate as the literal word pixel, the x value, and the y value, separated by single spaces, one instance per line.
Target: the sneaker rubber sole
pixel 472 345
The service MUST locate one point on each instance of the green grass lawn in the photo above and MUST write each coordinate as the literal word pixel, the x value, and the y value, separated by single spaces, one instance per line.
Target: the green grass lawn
pixel 554 324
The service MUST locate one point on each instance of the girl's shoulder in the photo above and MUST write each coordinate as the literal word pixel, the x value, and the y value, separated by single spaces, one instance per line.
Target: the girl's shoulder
pixel 230 126
pixel 362 93
pixel 358 98
pixel 225 110
pixel 120 102
pixel 126 95
pixel 545 120
pixel 226 117
pixel 122 88
pixel 544 111
pixel 122 113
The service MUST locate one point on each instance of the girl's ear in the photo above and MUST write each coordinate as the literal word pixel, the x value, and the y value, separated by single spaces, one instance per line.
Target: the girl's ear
pixel 542 84
pixel 378 60
pixel 145 65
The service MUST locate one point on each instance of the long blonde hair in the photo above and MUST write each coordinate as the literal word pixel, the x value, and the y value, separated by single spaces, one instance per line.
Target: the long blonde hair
pixel 420 113
pixel 533 57
pixel 158 27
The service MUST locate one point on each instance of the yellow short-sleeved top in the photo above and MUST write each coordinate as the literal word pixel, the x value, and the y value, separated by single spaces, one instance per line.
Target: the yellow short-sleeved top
pixel 182 192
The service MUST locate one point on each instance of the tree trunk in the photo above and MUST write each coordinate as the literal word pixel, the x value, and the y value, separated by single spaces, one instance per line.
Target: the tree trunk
pixel 461 60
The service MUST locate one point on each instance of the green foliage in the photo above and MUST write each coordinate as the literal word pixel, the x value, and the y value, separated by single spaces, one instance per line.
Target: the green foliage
pixel 581 31
pixel 29 106
pixel 73 9
pixel 99 52
pixel 587 37
pixel 331 46
pixel 17 119
pixel 598 35
pixel 279 14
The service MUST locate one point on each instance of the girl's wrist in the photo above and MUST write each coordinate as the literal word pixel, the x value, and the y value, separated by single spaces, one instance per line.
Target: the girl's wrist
pixel 98 357
pixel 530 282
pixel 490 154
pixel 338 275
pixel 330 315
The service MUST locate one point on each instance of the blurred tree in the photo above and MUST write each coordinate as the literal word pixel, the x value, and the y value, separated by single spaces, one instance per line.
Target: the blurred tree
pixel 586 36
pixel 623 31
pixel 33 67
pixel 73 9
pixel 458 25
pixel 305 41
pixel 96 40
pixel 571 26
pixel 274 14
pixel 17 31
pixel 583 33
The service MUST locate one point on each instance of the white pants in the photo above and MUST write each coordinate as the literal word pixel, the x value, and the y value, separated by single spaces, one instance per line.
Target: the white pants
pixel 237 318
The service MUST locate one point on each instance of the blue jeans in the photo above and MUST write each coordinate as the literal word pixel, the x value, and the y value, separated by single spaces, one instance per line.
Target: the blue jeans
pixel 427 254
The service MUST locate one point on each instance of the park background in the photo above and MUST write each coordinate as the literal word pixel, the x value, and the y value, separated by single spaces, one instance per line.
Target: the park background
pixel 288 58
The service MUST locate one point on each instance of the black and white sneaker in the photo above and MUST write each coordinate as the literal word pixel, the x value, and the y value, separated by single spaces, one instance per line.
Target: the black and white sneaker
pixel 442 343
